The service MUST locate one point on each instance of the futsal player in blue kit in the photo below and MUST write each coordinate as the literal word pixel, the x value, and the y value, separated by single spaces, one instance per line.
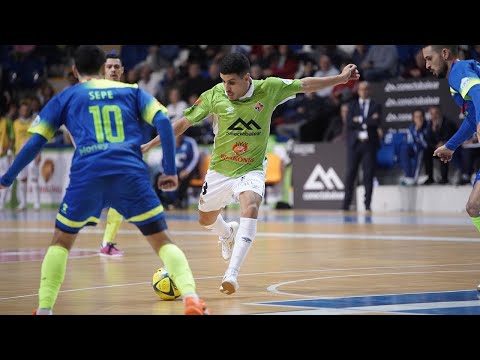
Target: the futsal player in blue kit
pixel 107 171
pixel 464 80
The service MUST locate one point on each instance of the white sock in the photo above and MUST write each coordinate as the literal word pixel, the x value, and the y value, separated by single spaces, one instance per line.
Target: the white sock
pixel 219 227
pixel 36 194
pixel 3 198
pixel 243 241
pixel 22 193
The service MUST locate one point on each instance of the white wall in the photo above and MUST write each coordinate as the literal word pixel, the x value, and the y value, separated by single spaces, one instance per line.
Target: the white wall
pixel 429 198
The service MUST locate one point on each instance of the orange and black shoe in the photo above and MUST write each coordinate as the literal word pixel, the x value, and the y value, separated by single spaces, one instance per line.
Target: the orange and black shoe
pixel 195 306
pixel 42 312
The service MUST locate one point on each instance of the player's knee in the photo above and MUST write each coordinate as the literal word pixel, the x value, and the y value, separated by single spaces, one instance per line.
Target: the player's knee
pixel 472 208
pixel 251 211
pixel 207 218
pixel 153 227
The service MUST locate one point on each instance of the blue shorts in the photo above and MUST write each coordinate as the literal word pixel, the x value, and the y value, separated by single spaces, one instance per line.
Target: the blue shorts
pixel 131 195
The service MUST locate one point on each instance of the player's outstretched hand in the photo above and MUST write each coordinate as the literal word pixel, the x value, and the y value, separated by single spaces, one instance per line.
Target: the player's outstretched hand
pixel 167 182
pixel 444 153
pixel 350 72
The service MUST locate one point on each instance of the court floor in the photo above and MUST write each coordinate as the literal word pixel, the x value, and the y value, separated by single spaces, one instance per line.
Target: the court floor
pixel 301 263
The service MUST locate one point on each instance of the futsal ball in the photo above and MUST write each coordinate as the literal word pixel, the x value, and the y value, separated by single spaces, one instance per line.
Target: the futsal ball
pixel 163 286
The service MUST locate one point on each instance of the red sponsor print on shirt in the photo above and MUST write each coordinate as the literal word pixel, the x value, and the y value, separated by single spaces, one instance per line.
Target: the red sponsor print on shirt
pixel 240 148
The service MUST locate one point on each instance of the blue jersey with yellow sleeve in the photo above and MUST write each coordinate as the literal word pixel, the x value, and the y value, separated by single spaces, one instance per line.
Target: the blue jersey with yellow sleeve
pixel 464 74
pixel 463 77
pixel 103 118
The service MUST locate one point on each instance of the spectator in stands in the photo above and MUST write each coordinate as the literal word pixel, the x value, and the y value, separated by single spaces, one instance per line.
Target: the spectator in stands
pixel 380 63
pixel 132 76
pixel 306 68
pixel 175 105
pixel 71 80
pixel 132 55
pixel 284 64
pixel 6 144
pixel 35 105
pixel 213 75
pixel 325 69
pixel 363 122
pixel 46 92
pixel 201 131
pixel 194 83
pixel 416 69
pixel 32 171
pixel 187 156
pixel 169 80
pixel 256 72
pixel 442 130
pixel 358 57
pixel 337 128
pixel 411 153
pixel 148 82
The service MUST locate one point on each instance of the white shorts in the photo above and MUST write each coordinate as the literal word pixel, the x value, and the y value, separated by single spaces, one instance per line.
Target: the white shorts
pixel 219 190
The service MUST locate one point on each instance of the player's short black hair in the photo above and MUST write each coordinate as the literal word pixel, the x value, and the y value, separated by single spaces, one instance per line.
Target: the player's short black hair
pixel 438 48
pixel 113 55
pixel 89 59
pixel 235 63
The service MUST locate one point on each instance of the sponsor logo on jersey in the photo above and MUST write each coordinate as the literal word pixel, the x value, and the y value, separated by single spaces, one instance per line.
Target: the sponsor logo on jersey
pixel 240 127
pixel 240 148
pixel 236 158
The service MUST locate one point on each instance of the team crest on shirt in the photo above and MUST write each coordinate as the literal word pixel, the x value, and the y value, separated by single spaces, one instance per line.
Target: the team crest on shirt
pixel 36 121
pixel 464 83
pixel 259 106
pixel 240 148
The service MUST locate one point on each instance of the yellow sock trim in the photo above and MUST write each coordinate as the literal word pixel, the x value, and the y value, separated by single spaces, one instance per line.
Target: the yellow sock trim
pixel 177 266
pixel 52 276
pixel 476 222
pixel 114 220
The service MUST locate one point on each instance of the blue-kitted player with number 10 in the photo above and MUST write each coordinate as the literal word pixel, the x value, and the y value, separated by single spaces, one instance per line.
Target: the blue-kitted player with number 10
pixel 107 170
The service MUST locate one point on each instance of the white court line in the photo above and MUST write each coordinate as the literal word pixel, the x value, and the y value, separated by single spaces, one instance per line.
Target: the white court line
pixel 268 234
pixel 392 309
pixel 265 273
pixel 273 288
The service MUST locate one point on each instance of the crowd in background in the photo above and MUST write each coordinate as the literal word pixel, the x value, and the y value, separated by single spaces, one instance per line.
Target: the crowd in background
pixel 177 74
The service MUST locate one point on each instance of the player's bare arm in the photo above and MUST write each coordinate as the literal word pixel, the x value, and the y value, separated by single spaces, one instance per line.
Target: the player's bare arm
pixel 179 127
pixel 311 84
